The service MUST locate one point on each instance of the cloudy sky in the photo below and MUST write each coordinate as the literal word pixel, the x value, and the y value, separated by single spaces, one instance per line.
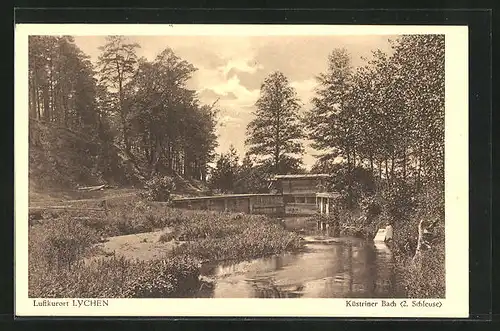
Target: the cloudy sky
pixel 232 69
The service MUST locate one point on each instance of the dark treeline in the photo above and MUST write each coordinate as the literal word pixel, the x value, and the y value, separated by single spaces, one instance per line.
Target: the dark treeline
pixel 387 116
pixel 137 116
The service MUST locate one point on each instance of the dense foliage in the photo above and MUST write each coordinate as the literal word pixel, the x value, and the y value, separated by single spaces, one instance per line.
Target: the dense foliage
pixel 225 173
pixel 388 115
pixel 247 243
pixel 158 188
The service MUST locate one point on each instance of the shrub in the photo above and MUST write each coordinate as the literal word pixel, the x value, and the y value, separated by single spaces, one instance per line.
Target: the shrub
pixel 166 237
pixel 54 249
pixel 137 218
pixel 175 277
pixel 371 207
pixel 425 279
pixel 158 188
pixel 353 185
pixel 399 200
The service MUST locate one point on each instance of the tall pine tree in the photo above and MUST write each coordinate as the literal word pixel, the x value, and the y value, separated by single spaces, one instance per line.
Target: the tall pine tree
pixel 275 133
pixel 117 64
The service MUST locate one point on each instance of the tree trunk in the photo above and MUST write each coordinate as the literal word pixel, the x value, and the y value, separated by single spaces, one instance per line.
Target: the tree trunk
pixel 123 115
pixel 38 108
pixel 65 106
pixel 33 112
pixel 46 109
pixel 422 243
pixel 51 88
pixel 404 164
pixel 348 162
pixel 386 169
pixel 186 164
pixel 419 164
pixel 393 159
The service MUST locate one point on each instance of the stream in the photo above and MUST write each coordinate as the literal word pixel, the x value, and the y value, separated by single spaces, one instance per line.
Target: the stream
pixel 328 267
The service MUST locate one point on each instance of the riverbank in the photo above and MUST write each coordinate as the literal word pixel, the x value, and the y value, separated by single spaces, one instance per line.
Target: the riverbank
pixel 66 256
pixel 420 278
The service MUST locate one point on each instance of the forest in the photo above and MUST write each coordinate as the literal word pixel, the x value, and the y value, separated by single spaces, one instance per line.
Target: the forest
pixel 132 118
pixel 136 118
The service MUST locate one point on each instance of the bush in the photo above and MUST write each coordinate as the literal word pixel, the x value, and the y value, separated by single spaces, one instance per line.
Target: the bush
pixel 175 277
pixel 202 227
pixel 54 249
pixel 166 237
pixel 158 188
pixel 425 279
pixel 137 218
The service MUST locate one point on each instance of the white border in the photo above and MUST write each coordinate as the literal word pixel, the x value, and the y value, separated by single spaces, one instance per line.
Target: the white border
pixel 456 303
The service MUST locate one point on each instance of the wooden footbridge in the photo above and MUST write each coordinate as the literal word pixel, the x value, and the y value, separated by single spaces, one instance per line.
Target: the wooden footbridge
pixel 297 195
pixel 245 203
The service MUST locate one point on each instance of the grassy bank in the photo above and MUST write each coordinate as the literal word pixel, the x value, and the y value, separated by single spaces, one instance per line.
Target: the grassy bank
pixel 232 236
pixel 64 257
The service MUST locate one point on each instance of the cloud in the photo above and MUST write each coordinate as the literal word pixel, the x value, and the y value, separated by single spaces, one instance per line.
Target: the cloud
pixel 305 90
pixel 250 80
pixel 201 58
pixel 208 94
pixel 227 119
pixel 240 65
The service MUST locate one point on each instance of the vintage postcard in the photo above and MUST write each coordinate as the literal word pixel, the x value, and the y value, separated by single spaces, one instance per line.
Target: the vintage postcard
pixel 241 170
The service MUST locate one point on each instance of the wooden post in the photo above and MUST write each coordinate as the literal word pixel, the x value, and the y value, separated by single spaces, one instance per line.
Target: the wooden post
pixel 250 205
pixel 225 204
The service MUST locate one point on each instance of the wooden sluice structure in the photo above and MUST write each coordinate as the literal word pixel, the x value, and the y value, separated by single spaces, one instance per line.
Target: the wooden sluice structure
pixel 291 195
pixel 269 204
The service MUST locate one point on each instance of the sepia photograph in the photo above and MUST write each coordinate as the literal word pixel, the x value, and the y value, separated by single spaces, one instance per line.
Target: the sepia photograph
pixel 242 166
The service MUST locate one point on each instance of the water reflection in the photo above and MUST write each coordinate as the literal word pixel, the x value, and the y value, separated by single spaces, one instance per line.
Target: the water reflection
pixel 345 267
